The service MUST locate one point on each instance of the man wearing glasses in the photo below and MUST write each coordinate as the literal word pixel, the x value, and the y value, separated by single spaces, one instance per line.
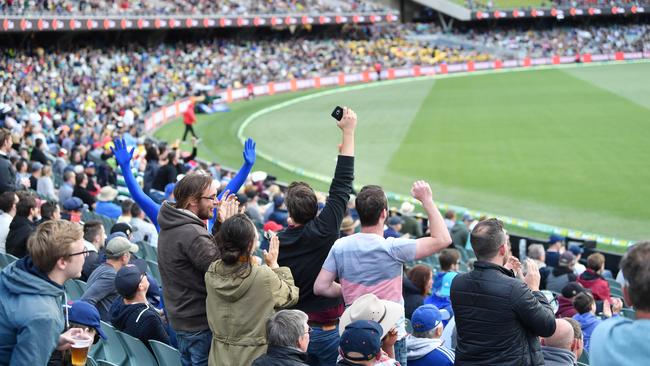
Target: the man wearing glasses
pixel 32 294
pixel 100 289
pixel 185 251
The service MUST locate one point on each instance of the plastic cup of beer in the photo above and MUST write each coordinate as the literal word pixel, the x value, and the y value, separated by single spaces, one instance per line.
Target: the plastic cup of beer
pixel 80 350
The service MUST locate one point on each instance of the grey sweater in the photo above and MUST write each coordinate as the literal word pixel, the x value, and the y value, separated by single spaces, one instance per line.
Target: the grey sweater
pixel 101 290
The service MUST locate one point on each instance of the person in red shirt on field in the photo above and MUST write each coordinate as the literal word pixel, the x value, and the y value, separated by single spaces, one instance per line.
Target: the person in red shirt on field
pixel 189 118
pixel 378 70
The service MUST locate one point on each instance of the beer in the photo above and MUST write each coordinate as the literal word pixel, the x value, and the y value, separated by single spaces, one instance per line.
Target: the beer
pixel 79 350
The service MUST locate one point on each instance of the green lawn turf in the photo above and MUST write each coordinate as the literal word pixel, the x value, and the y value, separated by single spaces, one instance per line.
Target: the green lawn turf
pixel 545 145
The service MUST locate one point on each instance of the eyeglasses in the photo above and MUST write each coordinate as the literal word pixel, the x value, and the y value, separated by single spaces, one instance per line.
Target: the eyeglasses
pixel 85 253
pixel 309 330
pixel 211 198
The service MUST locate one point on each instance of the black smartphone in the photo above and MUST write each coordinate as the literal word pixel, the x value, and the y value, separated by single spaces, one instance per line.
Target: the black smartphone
pixel 337 114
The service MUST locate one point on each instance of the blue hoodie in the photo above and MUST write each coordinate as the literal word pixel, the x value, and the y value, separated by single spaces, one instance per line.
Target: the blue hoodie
pixel 31 316
pixel 588 323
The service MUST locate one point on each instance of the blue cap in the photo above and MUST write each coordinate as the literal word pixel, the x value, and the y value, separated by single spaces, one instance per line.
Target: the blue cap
pixel 394 220
pixel 278 200
pixel 445 288
pixel 83 313
pixel 576 249
pixel 554 238
pixel 127 280
pixel 425 318
pixel 361 340
pixel 73 204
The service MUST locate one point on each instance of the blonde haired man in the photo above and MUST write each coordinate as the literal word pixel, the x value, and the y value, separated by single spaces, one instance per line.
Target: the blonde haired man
pixel 31 315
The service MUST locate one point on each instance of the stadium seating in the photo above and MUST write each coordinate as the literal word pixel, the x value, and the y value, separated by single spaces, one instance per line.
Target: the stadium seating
pixel 112 346
pixel 584 358
pixel 136 352
pixel 74 289
pixel 166 355
pixel 170 7
pixel 153 268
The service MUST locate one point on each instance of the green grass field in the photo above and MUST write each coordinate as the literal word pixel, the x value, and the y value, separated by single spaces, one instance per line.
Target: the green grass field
pixel 565 147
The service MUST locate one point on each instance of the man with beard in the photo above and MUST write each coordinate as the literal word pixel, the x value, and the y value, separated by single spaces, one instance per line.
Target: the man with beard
pixel 500 314
pixel 185 251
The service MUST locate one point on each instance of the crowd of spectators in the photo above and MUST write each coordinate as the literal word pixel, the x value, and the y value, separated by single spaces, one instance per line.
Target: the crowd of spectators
pixel 225 269
pixel 547 4
pixel 193 7
pixel 233 250
pixel 98 88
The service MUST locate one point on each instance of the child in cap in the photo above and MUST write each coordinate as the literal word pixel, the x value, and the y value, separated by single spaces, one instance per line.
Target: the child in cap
pixel 80 314
pixel 360 343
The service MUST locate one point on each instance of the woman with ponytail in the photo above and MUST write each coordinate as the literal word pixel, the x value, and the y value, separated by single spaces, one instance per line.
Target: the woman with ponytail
pixel 243 295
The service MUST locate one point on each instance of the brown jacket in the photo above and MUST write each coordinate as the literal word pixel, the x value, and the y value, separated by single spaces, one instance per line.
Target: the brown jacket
pixel 238 307
pixel 185 251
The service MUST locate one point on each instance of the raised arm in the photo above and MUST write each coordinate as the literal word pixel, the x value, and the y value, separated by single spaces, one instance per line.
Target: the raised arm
pixel 329 220
pixel 239 179
pixel 123 158
pixel 440 238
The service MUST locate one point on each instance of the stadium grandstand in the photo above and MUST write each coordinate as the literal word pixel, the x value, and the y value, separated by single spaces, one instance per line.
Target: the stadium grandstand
pixel 477 199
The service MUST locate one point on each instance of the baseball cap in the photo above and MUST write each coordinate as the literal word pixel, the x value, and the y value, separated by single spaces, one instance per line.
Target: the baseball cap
pixel 571 289
pixel 576 249
pixel 278 200
pixel 73 204
pixel 83 313
pixel 127 280
pixel 89 164
pixel 272 226
pixel 118 246
pixel 445 288
pixel 427 317
pixel 566 258
pixel 554 238
pixel 361 340
pixel 394 220
pixel 36 166
pixel 122 227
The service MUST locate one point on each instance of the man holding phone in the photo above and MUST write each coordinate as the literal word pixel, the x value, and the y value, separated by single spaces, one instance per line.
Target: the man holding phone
pixel 309 237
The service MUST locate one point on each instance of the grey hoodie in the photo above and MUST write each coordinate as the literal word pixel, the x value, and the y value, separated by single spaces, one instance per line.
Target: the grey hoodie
pixel 419 347
pixel 558 357
pixel 31 316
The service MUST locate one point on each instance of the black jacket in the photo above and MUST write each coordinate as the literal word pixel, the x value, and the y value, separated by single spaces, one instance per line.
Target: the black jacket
pixel 7 175
pixel 39 155
pixel 139 321
pixel 412 297
pixel 19 231
pixel 85 196
pixel 304 248
pixel 166 174
pixel 498 318
pixel 282 356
